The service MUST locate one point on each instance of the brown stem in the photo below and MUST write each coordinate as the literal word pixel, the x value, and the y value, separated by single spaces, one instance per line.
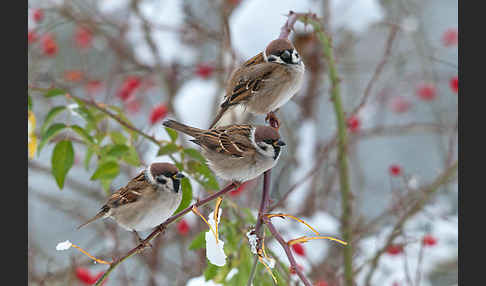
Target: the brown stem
pixel 287 250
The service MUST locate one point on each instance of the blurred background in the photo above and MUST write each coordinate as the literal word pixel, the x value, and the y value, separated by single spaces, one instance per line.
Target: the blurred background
pixel 397 62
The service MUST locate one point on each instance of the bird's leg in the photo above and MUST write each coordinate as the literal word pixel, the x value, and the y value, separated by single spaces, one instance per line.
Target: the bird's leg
pixel 140 240
pixel 273 120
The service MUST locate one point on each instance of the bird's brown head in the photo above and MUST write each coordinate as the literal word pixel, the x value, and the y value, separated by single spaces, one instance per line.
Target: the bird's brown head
pixel 268 138
pixel 282 51
pixel 163 173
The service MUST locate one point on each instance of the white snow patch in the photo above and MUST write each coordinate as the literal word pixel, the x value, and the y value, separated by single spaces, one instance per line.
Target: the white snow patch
pixel 65 245
pixel 200 281
pixel 214 251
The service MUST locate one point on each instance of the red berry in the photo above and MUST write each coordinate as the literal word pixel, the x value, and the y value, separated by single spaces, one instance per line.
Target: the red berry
pixel 84 276
pixel 158 113
pixel 321 283
pixel 400 104
pixel 38 15
pixel 83 37
pixel 130 84
pixel 354 123
pixel 426 91
pixel 183 227
pixel 395 170
pixel 429 240
pixel 204 70
pixel 394 249
pixel 450 37
pixel 299 249
pixel 49 45
pixel 238 190
pixel 32 37
pixel 454 84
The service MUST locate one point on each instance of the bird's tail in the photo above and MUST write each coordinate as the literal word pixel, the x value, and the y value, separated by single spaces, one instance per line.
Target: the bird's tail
pixel 222 110
pixel 99 215
pixel 192 131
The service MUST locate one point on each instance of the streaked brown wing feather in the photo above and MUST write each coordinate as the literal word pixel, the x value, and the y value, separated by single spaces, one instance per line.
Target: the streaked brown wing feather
pixel 231 140
pixel 130 193
pixel 247 82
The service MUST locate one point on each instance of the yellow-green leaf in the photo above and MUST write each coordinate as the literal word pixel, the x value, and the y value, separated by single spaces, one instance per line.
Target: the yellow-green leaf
pixel 186 194
pixel 167 149
pixel 107 170
pixel 81 132
pixel 52 131
pixel 62 160
pixel 54 92
pixel 50 116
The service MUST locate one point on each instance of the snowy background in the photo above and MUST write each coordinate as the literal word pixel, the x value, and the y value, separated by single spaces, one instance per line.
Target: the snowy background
pixel 409 121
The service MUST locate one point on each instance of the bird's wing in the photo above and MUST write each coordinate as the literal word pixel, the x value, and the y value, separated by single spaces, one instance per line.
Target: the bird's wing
pixel 247 82
pixel 130 193
pixel 232 140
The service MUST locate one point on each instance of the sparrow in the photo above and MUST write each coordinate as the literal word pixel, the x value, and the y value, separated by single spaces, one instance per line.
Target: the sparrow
pixel 265 82
pixel 146 201
pixel 235 153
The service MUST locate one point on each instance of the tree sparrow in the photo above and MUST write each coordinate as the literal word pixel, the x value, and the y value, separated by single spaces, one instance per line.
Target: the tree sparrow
pixel 146 201
pixel 265 82
pixel 236 152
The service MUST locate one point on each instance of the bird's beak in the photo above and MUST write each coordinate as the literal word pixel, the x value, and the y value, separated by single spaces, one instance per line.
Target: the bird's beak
pixel 279 143
pixel 178 176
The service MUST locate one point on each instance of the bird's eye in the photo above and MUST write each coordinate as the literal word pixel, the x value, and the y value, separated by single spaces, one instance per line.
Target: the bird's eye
pixel 161 180
pixel 285 56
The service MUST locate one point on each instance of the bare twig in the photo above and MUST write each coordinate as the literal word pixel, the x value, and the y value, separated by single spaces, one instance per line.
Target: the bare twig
pixel 389 43
pixel 414 209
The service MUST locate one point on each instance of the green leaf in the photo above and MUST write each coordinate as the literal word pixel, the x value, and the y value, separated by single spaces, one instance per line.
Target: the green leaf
pixel 198 242
pixel 168 149
pixel 105 184
pixel 50 116
pixel 62 160
pixel 203 175
pixel 81 132
pixel 117 151
pixel 85 113
pixel 210 272
pixel 107 170
pixel 193 153
pixel 29 102
pixel 186 194
pixel 131 157
pixel 117 137
pixel 52 131
pixel 54 92
pixel 172 134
